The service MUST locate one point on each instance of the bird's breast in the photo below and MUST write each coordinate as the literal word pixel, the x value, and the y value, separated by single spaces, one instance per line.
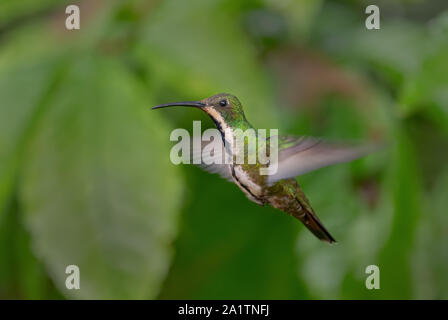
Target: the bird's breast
pixel 247 184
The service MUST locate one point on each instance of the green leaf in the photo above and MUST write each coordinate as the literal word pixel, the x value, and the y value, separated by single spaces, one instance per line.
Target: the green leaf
pixel 395 259
pixel 27 70
pixel 98 188
pixel 16 112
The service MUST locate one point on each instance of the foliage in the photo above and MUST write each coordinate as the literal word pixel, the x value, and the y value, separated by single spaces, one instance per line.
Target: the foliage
pixel 85 176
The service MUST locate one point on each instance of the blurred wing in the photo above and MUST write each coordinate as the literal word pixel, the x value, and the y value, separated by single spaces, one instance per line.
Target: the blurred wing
pixel 205 160
pixel 299 155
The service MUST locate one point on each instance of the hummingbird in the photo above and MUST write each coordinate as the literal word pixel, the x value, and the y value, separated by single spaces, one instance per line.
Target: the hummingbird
pixel 296 155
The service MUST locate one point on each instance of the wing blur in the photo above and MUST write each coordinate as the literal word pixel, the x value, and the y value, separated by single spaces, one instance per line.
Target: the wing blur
pixel 305 154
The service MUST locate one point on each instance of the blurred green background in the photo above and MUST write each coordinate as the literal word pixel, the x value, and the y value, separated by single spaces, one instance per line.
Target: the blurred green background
pixel 85 176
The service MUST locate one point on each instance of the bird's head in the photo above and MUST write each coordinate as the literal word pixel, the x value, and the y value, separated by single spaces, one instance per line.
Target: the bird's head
pixel 224 109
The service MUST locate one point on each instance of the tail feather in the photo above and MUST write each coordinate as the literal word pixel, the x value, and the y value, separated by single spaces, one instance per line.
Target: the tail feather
pixel 291 199
pixel 312 222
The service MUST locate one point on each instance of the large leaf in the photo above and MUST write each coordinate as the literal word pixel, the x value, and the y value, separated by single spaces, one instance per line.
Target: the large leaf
pixel 28 68
pixel 98 189
pixel 16 112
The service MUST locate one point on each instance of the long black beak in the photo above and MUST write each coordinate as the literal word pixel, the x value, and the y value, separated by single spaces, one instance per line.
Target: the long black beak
pixel 195 104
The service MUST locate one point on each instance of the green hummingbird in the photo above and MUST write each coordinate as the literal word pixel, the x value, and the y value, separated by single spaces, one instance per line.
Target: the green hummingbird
pixel 296 155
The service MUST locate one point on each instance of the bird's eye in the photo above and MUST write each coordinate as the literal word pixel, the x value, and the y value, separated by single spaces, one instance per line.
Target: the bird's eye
pixel 223 103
